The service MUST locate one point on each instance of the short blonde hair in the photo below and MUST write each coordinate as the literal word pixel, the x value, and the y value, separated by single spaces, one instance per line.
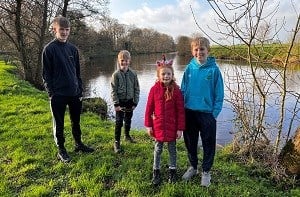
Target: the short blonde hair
pixel 124 54
pixel 200 41
pixel 61 21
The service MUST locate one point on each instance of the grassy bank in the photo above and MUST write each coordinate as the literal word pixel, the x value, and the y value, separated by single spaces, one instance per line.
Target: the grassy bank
pixel 268 53
pixel 29 166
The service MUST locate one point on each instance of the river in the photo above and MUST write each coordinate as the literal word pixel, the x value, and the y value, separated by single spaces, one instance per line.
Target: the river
pixel 96 78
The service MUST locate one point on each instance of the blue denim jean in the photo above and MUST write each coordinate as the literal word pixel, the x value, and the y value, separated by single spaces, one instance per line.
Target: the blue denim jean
pixel 158 149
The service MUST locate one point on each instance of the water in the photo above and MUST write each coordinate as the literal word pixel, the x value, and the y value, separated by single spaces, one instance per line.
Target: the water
pixel 96 77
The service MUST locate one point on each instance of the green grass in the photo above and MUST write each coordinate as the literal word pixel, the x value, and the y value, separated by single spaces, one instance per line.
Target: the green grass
pixel 29 166
pixel 266 53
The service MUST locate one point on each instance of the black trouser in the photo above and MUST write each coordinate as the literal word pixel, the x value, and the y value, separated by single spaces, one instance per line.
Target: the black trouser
pixel 124 115
pixel 58 106
pixel 205 123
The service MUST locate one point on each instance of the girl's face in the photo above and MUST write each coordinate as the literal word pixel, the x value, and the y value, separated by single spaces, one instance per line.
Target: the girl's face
pixel 200 52
pixel 165 75
pixel 124 64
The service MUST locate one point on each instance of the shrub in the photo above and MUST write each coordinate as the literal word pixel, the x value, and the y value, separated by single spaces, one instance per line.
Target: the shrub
pixel 95 105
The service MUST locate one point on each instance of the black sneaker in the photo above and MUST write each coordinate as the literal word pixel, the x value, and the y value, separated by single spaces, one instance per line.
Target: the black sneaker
pixel 156 177
pixel 172 176
pixel 63 156
pixel 129 139
pixel 83 148
pixel 117 147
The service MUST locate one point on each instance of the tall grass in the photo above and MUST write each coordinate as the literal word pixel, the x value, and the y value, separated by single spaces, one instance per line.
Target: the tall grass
pixel 29 166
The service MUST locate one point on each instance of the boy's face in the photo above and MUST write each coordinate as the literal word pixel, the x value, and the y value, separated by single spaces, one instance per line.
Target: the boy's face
pixel 200 52
pixel 61 33
pixel 124 64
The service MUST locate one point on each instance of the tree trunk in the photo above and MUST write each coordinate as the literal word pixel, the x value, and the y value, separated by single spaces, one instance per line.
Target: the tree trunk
pixel 65 8
pixel 38 82
pixel 290 155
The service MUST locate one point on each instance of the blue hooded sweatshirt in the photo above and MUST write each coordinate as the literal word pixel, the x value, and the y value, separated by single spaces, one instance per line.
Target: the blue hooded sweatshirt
pixel 202 87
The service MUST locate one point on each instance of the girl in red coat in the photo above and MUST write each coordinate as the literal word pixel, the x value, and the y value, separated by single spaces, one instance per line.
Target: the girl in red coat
pixel 165 117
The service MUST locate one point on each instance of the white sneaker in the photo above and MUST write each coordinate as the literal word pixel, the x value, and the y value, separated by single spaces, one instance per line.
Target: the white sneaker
pixel 189 173
pixel 205 179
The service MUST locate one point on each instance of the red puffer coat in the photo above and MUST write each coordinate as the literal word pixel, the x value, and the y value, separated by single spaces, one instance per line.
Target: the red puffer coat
pixel 165 117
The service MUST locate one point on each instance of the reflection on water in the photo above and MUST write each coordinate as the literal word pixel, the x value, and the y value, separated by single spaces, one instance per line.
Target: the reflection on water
pixel 96 78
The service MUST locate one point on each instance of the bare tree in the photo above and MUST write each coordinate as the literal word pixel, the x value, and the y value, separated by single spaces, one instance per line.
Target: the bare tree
pixel 284 91
pixel 149 41
pixel 116 31
pixel 22 22
pixel 250 23
pixel 183 45
pixel 26 23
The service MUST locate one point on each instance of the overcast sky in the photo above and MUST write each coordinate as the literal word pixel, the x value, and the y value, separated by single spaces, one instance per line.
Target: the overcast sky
pixel 174 17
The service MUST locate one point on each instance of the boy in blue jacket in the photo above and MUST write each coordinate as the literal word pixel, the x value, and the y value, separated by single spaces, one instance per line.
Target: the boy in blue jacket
pixel 203 91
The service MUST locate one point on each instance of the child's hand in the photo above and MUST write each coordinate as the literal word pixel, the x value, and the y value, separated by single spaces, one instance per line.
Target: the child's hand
pixel 150 131
pixel 118 108
pixel 179 134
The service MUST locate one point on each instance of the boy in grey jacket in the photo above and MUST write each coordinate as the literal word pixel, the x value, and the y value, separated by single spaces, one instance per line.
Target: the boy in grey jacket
pixel 125 91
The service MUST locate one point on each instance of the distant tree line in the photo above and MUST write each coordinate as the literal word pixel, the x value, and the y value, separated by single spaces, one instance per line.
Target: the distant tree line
pixel 113 37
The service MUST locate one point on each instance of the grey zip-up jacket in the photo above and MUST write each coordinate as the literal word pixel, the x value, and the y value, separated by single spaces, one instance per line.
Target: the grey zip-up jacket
pixel 124 87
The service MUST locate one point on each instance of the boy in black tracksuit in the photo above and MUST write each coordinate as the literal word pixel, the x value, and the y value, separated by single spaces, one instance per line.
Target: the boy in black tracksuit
pixel 61 76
